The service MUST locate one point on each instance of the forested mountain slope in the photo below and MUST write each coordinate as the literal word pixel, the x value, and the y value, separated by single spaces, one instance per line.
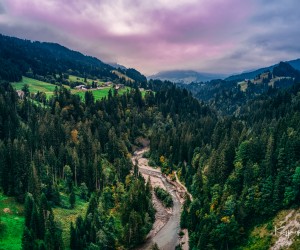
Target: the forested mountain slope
pixel 74 149
pixel 20 57
pixel 252 74
pixel 240 170
pixel 228 96
pixel 51 62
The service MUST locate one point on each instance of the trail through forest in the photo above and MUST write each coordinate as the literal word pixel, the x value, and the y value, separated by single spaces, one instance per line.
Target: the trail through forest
pixel 165 230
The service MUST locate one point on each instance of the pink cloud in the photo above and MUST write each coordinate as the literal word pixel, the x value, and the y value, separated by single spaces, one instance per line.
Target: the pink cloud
pixel 194 34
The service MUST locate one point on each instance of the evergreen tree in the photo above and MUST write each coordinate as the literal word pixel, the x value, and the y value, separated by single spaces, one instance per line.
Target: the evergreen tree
pixel 72 199
pixel 27 239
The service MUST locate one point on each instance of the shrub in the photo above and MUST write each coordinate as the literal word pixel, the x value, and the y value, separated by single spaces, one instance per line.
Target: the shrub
pixel 164 196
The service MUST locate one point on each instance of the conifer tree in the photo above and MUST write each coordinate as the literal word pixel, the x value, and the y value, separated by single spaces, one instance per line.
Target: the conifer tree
pixel 72 199
pixel 27 239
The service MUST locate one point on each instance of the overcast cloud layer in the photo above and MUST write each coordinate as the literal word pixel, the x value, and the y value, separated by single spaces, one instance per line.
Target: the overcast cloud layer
pixel 221 36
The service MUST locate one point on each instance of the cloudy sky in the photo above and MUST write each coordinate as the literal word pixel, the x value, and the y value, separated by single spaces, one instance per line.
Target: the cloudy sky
pixel 218 36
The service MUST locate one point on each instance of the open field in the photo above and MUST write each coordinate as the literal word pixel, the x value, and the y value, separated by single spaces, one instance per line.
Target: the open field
pixel 73 78
pixel 11 217
pixel 36 85
pixel 100 93
pixel 48 88
pixel 12 220
pixel 79 79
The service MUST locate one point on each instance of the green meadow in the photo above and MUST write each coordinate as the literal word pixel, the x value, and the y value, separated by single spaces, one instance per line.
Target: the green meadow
pixel 100 93
pixel 73 78
pixel 48 88
pixel 12 223
pixel 35 86
pixel 12 220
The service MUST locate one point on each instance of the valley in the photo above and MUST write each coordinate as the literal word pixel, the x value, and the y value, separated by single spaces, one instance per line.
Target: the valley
pixel 36 86
pixel 220 171
pixel 165 230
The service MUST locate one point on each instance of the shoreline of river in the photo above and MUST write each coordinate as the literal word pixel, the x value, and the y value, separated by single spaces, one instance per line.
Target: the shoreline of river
pixel 166 228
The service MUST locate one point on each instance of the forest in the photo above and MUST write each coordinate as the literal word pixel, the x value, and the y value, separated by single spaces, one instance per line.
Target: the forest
pixel 240 167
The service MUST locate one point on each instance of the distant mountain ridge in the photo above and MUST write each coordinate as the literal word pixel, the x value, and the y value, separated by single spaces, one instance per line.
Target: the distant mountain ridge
pixel 189 76
pixel 228 96
pixel 252 74
pixel 185 76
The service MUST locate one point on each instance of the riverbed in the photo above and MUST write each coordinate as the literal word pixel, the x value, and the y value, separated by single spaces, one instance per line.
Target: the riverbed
pixel 166 228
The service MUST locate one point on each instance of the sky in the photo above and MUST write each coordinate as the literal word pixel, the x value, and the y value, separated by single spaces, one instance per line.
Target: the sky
pixel 215 36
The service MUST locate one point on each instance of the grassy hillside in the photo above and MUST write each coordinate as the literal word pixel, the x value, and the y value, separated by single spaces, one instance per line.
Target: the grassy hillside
pixel 100 93
pixel 73 78
pixel 12 221
pixel 79 79
pixel 121 75
pixel 48 88
pixel 36 85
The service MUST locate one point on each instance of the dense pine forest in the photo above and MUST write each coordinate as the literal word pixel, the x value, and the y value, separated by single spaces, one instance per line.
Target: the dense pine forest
pixel 241 170
pixel 240 167
pixel 72 145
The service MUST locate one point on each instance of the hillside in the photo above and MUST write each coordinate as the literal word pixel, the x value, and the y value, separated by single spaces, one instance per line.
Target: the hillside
pixel 45 60
pixel 241 171
pixel 53 63
pixel 41 91
pixel 228 96
pixel 189 76
pixel 252 74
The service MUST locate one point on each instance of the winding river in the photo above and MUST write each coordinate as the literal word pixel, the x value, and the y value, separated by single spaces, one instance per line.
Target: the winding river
pixel 167 221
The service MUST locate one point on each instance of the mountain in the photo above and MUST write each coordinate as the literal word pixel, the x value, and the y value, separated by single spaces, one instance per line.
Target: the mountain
pixel 189 76
pixel 40 59
pixel 295 64
pixel 185 76
pixel 252 74
pixel 228 96
pixel 285 70
pixel 249 75
pixel 44 61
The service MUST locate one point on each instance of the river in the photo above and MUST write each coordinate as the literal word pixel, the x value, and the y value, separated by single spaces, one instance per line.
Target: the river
pixel 167 221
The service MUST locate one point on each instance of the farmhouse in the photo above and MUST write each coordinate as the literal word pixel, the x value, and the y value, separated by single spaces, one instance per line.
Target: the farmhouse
pixel 118 86
pixel 107 84
pixel 80 87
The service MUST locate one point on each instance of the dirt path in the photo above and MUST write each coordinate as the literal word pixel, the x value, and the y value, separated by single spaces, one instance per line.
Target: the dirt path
pixel 166 227
pixel 182 186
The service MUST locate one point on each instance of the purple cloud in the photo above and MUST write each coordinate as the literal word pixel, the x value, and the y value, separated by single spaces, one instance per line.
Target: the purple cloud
pixel 207 35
